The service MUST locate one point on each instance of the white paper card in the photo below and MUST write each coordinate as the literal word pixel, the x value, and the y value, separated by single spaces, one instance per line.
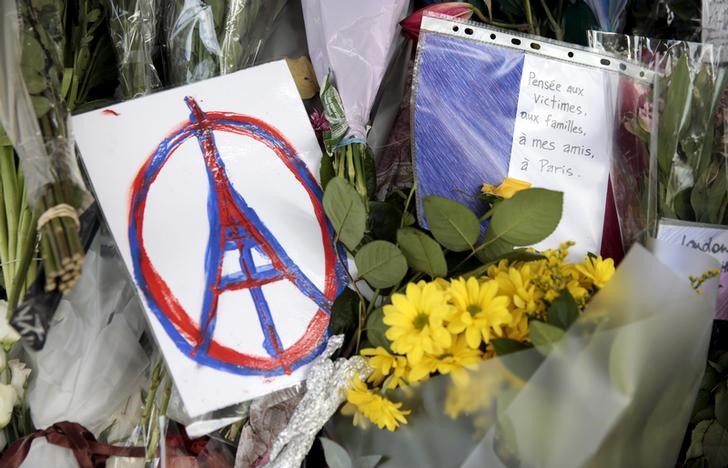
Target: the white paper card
pixel 711 240
pixel 562 140
pixel 210 193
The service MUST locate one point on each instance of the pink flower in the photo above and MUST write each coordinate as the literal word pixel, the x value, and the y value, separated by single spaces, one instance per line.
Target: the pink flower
pixel 319 122
pixel 411 24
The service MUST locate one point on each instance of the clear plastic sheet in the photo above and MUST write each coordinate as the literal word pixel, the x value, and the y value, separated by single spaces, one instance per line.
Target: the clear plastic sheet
pixel 476 120
pixel 665 19
pixel 715 25
pixel 45 159
pixel 609 13
pixel 617 390
pixel 629 174
pixel 193 51
pixel 92 362
pixel 133 28
pixel 248 23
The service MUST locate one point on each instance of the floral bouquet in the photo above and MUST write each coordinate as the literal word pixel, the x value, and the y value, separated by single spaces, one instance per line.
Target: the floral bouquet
pixel 536 363
pixel 350 58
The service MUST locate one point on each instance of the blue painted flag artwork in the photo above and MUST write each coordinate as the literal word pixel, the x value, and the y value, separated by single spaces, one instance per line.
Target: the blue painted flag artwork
pixel 484 111
pixel 217 213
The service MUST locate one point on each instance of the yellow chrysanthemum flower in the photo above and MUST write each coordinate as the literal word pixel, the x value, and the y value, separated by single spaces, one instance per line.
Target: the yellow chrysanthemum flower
pixel 480 312
pixel 599 271
pixel 507 188
pixel 387 368
pixel 416 321
pixel 457 360
pixel 372 406
pixel 517 284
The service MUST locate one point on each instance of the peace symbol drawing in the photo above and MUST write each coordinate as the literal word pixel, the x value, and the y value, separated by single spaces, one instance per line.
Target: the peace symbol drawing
pixel 234 228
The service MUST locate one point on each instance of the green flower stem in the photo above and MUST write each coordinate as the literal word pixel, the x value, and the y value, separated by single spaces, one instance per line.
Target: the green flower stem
pixel 407 203
pixel 156 432
pixel 529 16
pixel 10 195
pixel 4 232
pixel 554 24
pixel 25 257
pixel 155 379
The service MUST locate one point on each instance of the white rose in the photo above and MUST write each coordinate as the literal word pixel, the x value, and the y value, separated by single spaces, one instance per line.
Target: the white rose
pixel 8 335
pixel 8 398
pixel 19 375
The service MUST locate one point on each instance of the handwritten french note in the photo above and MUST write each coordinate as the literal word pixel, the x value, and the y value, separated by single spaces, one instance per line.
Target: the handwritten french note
pixel 711 240
pixel 562 140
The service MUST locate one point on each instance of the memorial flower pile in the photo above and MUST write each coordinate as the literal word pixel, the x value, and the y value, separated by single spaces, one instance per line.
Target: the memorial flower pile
pixel 425 238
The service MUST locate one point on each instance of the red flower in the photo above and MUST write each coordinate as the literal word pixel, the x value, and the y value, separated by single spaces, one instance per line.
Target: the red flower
pixel 411 24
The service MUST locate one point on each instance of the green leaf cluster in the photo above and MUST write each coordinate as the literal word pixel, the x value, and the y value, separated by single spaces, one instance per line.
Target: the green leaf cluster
pixel 692 178
pixel 391 250
pixel 708 438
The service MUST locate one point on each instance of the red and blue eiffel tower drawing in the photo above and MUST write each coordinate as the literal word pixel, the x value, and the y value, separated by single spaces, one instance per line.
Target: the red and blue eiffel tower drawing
pixel 235 228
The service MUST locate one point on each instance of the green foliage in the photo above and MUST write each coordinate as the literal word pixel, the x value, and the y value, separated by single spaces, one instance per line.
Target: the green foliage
pixel 708 438
pixel 344 313
pixel 376 329
pixel 381 264
pixel 423 254
pixel 563 311
pixel 525 219
pixel 346 210
pixel 451 223
pixel 544 336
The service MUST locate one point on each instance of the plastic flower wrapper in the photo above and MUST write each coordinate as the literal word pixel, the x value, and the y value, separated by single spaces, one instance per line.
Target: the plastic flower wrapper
pixel 35 116
pixel 248 23
pixel 604 393
pixel 133 28
pixel 93 361
pixel 351 44
pixel 193 51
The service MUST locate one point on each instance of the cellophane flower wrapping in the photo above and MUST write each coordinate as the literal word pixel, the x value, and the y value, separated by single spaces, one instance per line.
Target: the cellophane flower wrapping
pixel 248 24
pixel 47 157
pixel 133 25
pixel 93 362
pixel 206 39
pixel 354 41
pixel 617 390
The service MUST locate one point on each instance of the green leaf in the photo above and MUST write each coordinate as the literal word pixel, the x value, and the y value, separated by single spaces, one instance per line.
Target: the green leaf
pixel 672 117
pixel 453 224
pixel 523 364
pixel 563 311
pixel 494 248
pixel 345 313
pixel 528 217
pixel 503 346
pixel 381 264
pixel 336 456
pixel 384 220
pixel 346 210
pixel 696 440
pixel 41 105
pixel 327 172
pixel 544 336
pixel 376 329
pixel 367 461
pixel 721 404
pixel 423 254
pixel 715 445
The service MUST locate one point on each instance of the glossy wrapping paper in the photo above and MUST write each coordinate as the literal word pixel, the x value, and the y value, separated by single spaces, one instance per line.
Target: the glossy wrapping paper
pixel 617 390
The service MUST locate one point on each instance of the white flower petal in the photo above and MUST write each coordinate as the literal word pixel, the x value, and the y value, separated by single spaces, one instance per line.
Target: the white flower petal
pixel 19 376
pixel 8 398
